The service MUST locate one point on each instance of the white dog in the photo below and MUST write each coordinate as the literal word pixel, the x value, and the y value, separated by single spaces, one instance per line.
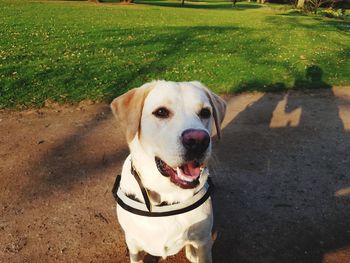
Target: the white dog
pixel 163 197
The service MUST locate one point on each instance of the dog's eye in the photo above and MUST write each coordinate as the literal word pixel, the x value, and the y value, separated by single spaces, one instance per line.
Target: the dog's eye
pixel 204 113
pixel 162 113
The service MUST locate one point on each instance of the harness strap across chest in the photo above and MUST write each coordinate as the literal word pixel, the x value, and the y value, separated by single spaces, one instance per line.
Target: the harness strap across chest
pixel 146 208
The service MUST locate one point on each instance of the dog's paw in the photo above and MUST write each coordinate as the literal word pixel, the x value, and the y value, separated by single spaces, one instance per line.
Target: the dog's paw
pixel 191 254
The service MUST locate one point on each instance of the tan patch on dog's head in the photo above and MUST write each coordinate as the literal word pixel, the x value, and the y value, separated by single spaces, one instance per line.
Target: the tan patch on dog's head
pixel 128 109
pixel 218 105
pixel 219 110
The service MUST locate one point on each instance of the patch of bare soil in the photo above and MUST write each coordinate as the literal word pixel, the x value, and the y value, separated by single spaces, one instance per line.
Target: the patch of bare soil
pixel 282 176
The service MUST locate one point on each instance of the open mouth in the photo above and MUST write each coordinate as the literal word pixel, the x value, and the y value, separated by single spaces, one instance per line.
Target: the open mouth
pixel 186 176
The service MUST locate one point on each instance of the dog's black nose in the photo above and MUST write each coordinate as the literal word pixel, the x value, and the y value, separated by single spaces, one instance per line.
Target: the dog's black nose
pixel 195 142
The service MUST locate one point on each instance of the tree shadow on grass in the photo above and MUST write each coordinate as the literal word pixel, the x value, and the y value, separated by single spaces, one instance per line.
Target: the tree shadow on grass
pixel 180 46
pixel 340 25
pixel 172 46
pixel 201 5
pixel 275 198
pixel 255 85
pixel 301 20
pixel 295 13
pixel 110 61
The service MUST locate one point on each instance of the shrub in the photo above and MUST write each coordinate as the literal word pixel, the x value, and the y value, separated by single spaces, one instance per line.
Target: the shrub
pixel 334 13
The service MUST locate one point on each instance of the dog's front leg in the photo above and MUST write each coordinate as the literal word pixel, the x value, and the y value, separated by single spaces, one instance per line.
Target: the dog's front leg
pixel 204 253
pixel 199 252
pixel 135 253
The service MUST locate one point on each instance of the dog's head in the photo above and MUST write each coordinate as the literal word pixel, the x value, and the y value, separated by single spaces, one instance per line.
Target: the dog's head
pixel 171 124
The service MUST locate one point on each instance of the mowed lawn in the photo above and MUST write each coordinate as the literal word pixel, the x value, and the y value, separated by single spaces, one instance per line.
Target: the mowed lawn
pixel 71 51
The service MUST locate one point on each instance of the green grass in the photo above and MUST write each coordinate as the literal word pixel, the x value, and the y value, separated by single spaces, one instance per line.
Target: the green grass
pixel 71 51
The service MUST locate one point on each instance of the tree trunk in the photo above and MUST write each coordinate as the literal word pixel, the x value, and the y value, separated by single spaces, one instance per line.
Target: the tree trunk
pixel 182 2
pixel 301 4
pixel 317 6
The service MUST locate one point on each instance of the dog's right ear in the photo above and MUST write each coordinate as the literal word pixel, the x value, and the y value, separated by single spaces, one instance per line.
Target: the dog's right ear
pixel 128 109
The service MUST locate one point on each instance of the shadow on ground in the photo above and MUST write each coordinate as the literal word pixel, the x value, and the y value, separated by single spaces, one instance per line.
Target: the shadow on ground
pixel 74 160
pixel 277 180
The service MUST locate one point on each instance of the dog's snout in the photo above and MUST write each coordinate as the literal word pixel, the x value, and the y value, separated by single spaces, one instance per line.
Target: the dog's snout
pixel 195 141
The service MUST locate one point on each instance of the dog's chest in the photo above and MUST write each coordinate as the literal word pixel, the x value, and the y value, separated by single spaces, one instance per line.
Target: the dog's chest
pixel 165 236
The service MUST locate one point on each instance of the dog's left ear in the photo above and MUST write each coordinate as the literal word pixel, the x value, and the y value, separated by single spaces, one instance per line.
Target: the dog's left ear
pixel 127 108
pixel 218 105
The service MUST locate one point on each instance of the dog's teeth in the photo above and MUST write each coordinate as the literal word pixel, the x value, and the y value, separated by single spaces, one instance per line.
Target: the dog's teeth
pixel 179 173
pixel 181 176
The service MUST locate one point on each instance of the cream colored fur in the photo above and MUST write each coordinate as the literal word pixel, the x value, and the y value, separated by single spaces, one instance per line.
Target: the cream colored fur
pixel 148 137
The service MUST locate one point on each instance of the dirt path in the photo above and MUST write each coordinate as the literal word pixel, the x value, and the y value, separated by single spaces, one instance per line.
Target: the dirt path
pixel 282 176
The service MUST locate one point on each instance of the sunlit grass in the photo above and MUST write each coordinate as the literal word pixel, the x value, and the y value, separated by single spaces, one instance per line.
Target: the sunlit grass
pixel 70 51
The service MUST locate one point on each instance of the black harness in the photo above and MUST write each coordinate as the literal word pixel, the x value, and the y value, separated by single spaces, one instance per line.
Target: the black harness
pixel 135 206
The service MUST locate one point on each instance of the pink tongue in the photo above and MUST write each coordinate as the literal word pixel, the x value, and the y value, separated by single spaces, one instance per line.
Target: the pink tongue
pixel 191 169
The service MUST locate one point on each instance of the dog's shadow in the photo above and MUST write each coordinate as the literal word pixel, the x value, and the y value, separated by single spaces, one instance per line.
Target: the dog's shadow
pixel 276 183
